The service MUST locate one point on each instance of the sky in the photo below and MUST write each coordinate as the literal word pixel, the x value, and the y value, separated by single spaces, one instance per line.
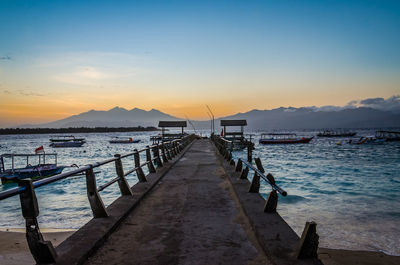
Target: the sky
pixel 60 58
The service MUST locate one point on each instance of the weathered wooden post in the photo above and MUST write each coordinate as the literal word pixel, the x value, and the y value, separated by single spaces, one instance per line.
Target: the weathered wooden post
pixel 255 183
pixel 249 153
pixel 139 170
pixel 272 201
pixel 150 164
pixel 168 151
pixel 239 165
pixel 244 173
pixel 42 251
pixel 96 203
pixel 308 245
pixel 156 154
pixel 164 156
pixel 259 165
pixel 122 183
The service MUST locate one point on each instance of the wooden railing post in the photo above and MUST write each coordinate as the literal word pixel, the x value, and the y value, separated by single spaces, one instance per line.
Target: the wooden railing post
pixel 255 183
pixel 169 156
pixel 95 201
pixel 239 165
pixel 150 164
pixel 308 245
pixel 156 154
pixel 249 153
pixel 164 156
pixel 244 173
pixel 272 201
pixel 42 251
pixel 122 183
pixel 139 170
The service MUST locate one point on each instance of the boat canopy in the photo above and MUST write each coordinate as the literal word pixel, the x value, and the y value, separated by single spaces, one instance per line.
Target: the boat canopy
pixel 228 123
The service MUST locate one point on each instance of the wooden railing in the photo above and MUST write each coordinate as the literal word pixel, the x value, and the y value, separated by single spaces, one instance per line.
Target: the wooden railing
pixel 308 243
pixel 156 155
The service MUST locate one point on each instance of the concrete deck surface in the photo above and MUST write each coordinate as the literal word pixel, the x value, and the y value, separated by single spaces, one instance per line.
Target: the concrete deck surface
pixel 191 217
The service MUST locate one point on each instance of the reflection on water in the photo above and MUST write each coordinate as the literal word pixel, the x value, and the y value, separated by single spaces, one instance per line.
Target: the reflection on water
pixel 351 191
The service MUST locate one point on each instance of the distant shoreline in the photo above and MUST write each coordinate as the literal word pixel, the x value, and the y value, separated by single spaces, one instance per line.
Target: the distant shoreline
pixel 12 131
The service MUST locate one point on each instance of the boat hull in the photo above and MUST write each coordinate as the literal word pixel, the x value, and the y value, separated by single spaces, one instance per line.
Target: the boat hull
pixel 286 141
pixel 66 144
pixel 124 142
pixel 37 172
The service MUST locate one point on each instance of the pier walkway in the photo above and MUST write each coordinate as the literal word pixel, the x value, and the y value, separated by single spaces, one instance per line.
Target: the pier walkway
pixel 190 217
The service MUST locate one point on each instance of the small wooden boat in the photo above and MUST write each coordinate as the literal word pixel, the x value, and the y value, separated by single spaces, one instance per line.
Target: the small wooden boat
pixel 66 141
pixel 367 140
pixel 123 140
pixel 388 136
pixel 336 133
pixel 283 138
pixel 40 170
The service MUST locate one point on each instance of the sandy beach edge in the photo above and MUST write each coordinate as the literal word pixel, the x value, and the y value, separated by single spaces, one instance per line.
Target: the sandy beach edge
pixel 14 250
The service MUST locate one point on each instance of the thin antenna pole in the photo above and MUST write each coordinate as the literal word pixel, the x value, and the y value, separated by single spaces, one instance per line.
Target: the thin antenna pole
pixel 213 127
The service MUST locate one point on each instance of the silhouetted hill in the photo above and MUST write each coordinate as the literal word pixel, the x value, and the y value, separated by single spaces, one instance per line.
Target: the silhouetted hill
pixel 115 117
pixel 308 118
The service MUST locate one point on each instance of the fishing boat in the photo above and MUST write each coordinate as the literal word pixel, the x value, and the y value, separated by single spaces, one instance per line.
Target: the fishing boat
pixel 67 141
pixel 388 136
pixel 41 169
pixel 283 138
pixel 123 140
pixel 367 140
pixel 336 133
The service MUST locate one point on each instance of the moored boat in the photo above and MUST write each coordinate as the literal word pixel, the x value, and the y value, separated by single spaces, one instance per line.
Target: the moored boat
pixel 367 140
pixel 123 140
pixel 40 170
pixel 66 141
pixel 283 138
pixel 389 136
pixel 336 133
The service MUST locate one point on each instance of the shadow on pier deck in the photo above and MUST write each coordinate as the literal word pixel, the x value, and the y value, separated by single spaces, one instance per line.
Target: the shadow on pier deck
pixel 193 214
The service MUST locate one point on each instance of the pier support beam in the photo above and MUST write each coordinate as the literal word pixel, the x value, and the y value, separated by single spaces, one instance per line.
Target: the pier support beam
pixel 308 245
pixel 42 251
pixel 271 203
pixel 95 200
pixel 164 156
pixel 122 183
pixel 150 164
pixel 244 173
pixel 156 154
pixel 139 171
pixel 255 183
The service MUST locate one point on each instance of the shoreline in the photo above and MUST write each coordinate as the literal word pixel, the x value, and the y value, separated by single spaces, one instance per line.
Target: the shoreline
pixel 14 249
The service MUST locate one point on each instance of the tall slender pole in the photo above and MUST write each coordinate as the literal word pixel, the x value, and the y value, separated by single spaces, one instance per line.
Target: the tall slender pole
pixel 212 114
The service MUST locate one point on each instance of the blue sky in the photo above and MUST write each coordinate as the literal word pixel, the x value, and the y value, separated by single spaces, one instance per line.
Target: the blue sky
pixel 179 55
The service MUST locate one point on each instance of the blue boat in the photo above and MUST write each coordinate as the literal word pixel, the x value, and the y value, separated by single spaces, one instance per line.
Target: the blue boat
pixel 40 170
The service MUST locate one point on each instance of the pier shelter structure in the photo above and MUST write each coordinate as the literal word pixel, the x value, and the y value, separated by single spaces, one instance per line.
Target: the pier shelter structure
pixel 166 125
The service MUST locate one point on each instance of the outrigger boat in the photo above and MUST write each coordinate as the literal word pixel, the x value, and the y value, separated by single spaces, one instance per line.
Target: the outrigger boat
pixel 388 136
pixel 367 140
pixel 40 170
pixel 336 133
pixel 283 138
pixel 67 141
pixel 123 140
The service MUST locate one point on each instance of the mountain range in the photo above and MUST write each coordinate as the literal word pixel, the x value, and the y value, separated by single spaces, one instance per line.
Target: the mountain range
pixel 279 118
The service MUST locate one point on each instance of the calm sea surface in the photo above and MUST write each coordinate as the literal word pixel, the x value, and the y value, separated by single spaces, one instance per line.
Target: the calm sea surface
pixel 351 191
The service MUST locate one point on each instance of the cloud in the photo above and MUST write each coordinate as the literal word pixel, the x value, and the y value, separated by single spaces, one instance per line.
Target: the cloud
pixel 6 58
pixel 390 104
pixel 29 93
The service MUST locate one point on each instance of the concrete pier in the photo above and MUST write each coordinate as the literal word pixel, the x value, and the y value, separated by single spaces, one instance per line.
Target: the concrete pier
pixel 191 217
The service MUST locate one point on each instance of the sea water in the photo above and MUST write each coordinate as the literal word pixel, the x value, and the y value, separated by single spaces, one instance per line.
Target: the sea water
pixel 351 191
